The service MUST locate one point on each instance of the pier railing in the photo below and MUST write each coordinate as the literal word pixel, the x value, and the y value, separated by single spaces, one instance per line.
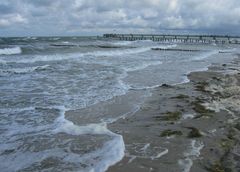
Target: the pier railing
pixel 177 38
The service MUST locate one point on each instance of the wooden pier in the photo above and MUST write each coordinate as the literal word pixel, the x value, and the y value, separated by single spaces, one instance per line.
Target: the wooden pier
pixel 218 39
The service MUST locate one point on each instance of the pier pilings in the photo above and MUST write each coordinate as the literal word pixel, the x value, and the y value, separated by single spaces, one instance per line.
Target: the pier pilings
pixel 206 39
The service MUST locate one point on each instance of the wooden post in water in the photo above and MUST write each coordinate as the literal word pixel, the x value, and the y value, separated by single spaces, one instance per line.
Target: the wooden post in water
pixel 224 39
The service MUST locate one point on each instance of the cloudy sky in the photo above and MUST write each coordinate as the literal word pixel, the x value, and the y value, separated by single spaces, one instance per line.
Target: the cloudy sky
pixel 91 17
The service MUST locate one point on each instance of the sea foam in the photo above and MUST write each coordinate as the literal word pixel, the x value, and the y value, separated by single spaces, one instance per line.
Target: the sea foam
pixel 24 70
pixel 191 154
pixel 123 43
pixel 97 160
pixel 101 159
pixel 10 51
pixel 205 55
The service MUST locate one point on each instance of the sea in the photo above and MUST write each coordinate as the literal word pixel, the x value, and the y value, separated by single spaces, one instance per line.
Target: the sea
pixel 42 78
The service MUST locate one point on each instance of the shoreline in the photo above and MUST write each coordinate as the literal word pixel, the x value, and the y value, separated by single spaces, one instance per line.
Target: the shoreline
pixel 182 120
pixel 129 108
pixel 158 125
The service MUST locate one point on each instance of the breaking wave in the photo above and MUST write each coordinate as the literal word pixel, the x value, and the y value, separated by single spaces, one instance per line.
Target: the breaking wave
pixel 24 70
pixel 10 51
pixel 205 55
pixel 58 57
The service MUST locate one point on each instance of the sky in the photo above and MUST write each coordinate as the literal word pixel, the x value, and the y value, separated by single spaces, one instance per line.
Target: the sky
pixel 95 17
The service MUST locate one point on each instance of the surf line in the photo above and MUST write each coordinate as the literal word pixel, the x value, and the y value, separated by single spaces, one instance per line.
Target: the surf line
pixel 111 152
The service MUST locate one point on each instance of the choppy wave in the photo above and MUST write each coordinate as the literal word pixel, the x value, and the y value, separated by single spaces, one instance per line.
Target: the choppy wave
pixel 41 135
pixel 205 55
pixel 228 50
pixel 24 70
pixel 41 58
pixel 127 51
pixel 118 52
pixel 58 57
pixel 10 51
pixel 97 160
pixel 165 46
pixel 55 39
pixel 143 66
pixel 63 45
pixel 123 43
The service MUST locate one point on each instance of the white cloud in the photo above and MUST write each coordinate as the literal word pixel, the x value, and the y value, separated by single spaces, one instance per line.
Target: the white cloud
pixel 11 19
pixel 81 16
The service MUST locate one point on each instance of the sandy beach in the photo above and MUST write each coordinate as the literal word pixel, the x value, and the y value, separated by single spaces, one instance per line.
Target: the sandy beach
pixel 186 127
pixel 119 86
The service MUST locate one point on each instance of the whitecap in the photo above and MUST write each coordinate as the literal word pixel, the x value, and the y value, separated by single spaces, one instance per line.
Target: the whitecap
pixel 127 51
pixel 123 43
pixel 165 46
pixel 59 57
pixel 119 52
pixel 10 51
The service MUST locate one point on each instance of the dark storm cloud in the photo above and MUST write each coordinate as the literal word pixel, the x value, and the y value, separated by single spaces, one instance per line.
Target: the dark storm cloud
pixel 5 9
pixel 69 17
pixel 40 2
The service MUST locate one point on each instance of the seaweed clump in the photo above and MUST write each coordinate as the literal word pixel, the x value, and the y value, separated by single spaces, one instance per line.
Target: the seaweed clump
pixel 201 86
pixel 167 133
pixel 194 132
pixel 199 108
pixel 169 116
pixel 237 126
pixel 181 96
pixel 227 144
pixel 216 167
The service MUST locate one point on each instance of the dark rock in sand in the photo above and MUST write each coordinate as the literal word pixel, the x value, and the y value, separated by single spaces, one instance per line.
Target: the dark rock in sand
pixel 166 85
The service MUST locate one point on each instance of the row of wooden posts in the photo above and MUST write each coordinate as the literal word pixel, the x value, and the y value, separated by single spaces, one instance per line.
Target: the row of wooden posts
pixel 177 38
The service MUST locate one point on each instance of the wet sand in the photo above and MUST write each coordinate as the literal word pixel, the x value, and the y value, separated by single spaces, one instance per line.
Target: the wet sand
pixel 187 127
